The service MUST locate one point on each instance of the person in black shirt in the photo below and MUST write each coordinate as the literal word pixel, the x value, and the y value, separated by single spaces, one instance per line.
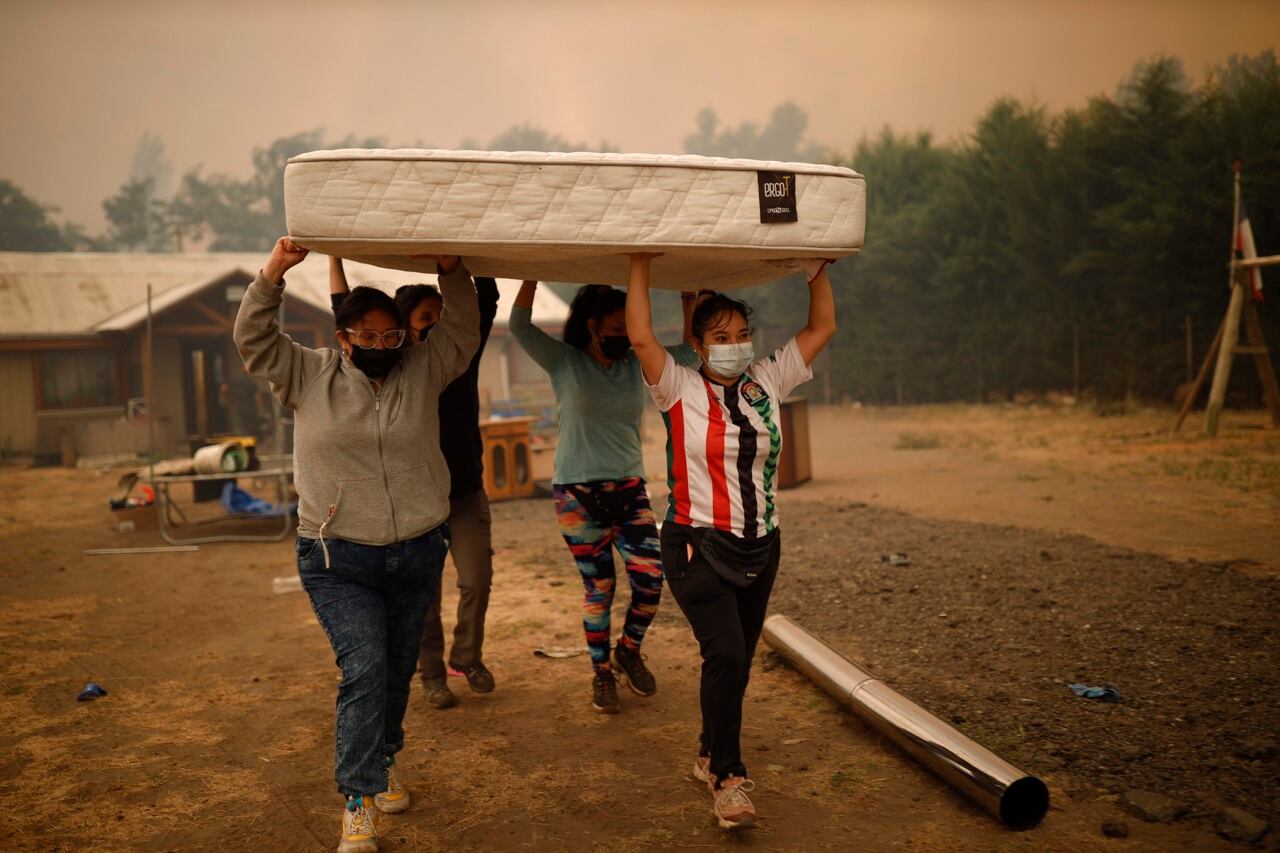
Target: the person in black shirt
pixel 469 522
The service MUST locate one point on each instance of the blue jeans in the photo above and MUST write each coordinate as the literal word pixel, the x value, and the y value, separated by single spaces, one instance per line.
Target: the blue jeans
pixel 371 602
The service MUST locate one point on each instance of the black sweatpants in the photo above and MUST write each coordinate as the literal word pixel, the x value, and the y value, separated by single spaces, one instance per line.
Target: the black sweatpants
pixel 727 621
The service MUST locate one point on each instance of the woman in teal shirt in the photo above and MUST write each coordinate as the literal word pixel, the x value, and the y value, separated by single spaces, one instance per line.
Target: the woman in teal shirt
pixel 599 486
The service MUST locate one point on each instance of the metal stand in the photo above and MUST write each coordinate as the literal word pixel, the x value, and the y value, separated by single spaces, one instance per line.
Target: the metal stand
pixel 165 505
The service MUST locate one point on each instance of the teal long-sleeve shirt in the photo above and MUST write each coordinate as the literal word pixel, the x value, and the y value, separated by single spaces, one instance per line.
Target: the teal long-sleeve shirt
pixel 600 407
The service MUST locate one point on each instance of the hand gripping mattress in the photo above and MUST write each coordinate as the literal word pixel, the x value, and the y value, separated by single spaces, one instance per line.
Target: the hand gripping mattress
pixel 570 217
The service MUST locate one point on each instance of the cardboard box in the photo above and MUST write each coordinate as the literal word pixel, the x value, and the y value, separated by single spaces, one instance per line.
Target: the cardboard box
pixel 134 518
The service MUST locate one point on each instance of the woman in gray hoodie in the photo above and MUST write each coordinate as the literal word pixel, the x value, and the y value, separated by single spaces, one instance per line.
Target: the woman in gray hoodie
pixel 373 496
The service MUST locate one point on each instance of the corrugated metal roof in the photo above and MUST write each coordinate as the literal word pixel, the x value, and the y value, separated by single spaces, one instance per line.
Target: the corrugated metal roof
pixel 82 293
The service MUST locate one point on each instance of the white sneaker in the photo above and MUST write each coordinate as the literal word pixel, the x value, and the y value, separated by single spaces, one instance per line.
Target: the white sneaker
pixel 358 834
pixel 702 768
pixel 732 807
pixel 396 797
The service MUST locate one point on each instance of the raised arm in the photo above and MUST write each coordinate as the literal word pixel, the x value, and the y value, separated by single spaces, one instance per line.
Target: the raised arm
pixel 822 317
pixel 338 287
pixel 487 296
pixel 454 340
pixel 653 358
pixel 542 348
pixel 524 299
pixel 269 353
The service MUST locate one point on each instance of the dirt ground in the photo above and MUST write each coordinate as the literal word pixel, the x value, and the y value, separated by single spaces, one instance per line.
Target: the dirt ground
pixel 1045 547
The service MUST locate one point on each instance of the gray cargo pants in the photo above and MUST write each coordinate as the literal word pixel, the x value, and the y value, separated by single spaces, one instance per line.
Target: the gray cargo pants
pixel 472 551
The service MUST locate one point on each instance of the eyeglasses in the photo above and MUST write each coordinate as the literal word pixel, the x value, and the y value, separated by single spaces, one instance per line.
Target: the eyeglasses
pixel 368 338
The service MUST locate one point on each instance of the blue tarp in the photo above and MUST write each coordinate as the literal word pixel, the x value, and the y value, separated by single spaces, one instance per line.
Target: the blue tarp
pixel 236 501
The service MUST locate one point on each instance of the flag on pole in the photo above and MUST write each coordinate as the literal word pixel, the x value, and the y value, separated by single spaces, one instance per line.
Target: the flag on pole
pixel 1245 249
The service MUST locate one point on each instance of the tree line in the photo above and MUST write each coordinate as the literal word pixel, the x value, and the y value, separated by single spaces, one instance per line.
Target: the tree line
pixel 1077 251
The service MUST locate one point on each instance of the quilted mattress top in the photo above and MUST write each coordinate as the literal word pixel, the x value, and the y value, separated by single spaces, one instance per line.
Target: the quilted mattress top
pixel 718 222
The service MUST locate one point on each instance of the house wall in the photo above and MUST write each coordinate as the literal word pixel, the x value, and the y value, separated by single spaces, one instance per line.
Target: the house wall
pixel 170 404
pixel 17 414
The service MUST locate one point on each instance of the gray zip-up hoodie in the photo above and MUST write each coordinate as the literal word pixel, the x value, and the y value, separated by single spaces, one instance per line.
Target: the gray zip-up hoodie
pixel 367 466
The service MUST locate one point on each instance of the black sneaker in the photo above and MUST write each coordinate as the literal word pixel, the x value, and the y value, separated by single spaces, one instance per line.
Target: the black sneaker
pixel 479 678
pixel 604 693
pixel 633 672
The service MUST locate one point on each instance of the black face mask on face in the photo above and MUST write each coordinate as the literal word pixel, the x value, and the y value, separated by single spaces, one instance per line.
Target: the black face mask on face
pixel 375 363
pixel 614 347
pixel 422 334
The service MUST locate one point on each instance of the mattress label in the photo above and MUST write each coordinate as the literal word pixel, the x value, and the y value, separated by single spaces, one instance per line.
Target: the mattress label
pixel 777 196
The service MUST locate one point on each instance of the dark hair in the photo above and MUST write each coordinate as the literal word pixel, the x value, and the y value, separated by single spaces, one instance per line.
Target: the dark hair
pixel 592 302
pixel 409 296
pixel 360 302
pixel 706 315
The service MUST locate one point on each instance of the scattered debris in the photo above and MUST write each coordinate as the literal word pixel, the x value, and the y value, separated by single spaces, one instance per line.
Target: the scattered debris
pixel 561 651
pixel 897 558
pixel 1106 692
pixel 92 690
pixel 1115 829
pixel 287 583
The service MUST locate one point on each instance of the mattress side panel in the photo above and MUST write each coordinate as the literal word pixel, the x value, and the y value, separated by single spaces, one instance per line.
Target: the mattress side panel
pixel 608 204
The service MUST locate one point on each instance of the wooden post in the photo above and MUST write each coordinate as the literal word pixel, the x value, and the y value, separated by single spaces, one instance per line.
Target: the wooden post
pixel 1226 354
pixel 151 392
pixel 1075 361
pixel 1210 357
pixel 1191 350
pixel 1230 331
pixel 1262 360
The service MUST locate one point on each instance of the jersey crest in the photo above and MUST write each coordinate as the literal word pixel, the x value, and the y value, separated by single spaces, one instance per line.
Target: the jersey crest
pixel 753 392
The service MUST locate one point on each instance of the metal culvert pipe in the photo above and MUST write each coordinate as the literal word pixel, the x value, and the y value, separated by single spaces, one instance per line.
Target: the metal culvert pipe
pixel 1019 801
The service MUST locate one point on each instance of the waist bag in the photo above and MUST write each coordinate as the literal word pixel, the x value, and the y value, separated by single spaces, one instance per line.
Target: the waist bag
pixel 607 505
pixel 738 561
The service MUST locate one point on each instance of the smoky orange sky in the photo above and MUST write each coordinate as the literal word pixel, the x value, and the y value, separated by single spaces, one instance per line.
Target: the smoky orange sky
pixel 84 80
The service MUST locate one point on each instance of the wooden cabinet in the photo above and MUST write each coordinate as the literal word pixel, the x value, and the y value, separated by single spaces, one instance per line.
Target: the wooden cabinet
pixel 508 458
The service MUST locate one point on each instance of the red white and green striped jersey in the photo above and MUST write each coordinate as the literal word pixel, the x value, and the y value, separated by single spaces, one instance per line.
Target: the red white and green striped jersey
pixel 723 442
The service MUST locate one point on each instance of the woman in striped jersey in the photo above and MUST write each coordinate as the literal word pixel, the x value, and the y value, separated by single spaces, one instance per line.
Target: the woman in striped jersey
pixel 720 543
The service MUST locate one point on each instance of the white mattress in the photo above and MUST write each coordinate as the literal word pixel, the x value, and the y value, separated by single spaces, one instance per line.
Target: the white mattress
pixel 570 217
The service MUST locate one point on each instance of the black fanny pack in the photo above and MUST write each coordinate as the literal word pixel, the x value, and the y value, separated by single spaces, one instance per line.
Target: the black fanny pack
pixel 738 561
pixel 605 505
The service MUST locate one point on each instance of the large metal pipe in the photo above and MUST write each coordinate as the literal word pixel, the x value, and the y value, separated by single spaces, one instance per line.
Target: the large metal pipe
pixel 1018 800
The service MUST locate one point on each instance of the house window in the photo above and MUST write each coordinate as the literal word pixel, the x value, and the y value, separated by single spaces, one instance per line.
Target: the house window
pixel 79 379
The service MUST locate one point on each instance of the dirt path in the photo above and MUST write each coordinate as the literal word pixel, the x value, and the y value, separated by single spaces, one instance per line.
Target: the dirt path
pixel 217 733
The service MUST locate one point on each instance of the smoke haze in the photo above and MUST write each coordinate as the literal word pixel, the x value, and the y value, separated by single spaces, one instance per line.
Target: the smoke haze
pixel 86 80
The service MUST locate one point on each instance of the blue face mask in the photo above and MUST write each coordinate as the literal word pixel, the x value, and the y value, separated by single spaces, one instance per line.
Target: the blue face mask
pixel 730 360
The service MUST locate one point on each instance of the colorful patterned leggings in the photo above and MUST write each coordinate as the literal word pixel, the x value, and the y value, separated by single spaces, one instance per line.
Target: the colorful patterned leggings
pixel 595 517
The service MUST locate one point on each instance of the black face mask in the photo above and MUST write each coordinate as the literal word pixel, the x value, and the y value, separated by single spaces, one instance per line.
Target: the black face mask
pixel 375 363
pixel 422 334
pixel 614 347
